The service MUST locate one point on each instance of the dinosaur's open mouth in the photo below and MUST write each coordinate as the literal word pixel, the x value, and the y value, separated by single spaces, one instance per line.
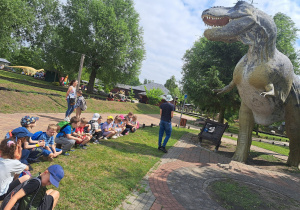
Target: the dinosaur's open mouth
pixel 215 21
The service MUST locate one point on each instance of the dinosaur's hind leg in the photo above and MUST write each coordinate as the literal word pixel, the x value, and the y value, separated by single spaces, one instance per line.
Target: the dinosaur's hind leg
pixel 292 124
pixel 246 122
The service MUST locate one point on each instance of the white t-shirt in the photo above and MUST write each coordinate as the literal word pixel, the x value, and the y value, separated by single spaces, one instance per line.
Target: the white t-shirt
pixel 8 170
pixel 72 93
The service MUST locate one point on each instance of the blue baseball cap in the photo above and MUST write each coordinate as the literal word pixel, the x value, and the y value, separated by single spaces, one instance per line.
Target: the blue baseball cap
pixel 27 120
pixel 21 132
pixel 56 174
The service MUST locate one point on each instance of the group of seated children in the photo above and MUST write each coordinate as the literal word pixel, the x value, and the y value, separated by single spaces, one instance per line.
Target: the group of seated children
pixel 112 127
pixel 20 148
pixel 18 190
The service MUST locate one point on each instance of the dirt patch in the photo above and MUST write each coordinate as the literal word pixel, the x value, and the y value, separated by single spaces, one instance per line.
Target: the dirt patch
pixel 257 159
pixel 233 194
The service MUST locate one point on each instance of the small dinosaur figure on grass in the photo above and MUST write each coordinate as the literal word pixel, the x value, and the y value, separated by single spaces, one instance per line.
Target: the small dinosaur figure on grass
pixel 28 70
pixel 264 77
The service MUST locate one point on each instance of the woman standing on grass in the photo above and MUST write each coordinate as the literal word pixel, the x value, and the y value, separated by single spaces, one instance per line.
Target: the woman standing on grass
pixel 71 98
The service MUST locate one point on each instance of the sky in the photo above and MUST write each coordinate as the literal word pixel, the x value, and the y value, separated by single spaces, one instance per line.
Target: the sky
pixel 172 26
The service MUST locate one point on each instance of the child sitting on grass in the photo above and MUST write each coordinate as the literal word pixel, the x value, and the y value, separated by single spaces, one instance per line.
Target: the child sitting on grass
pixel 32 148
pixel 134 122
pixel 129 126
pixel 65 138
pixel 29 155
pixel 79 132
pixel 95 127
pixel 50 149
pixel 107 128
pixel 117 126
pixel 35 190
pixel 10 168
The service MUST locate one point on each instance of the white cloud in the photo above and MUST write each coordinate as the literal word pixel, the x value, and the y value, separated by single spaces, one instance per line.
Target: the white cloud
pixel 172 26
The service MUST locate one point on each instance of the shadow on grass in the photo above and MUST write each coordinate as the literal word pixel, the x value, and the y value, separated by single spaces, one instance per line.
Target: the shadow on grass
pixel 150 145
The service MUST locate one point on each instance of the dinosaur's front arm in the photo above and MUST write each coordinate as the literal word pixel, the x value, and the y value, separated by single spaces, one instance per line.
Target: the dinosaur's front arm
pixel 269 90
pixel 225 89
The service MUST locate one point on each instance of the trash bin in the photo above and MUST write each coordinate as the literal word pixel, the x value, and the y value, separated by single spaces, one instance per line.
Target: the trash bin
pixel 183 122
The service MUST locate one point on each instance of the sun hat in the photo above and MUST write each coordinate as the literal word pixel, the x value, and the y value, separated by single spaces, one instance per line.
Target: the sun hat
pixel 169 98
pixel 96 116
pixel 110 117
pixel 121 116
pixel 21 132
pixel 28 120
pixel 56 174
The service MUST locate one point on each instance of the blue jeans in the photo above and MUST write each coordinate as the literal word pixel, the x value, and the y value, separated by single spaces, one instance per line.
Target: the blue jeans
pixel 70 108
pixel 164 127
pixel 25 155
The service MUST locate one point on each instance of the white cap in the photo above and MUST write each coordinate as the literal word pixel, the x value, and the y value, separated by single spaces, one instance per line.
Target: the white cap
pixel 96 116
pixel 169 98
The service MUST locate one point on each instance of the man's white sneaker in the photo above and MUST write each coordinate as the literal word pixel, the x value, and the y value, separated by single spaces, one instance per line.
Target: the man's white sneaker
pixel 114 137
pixel 67 119
pixel 105 138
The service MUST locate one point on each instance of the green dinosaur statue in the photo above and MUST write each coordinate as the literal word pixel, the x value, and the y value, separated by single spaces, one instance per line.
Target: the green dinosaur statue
pixel 264 77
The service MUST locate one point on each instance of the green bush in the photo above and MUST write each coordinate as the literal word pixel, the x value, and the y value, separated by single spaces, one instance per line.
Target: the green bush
pixel 154 95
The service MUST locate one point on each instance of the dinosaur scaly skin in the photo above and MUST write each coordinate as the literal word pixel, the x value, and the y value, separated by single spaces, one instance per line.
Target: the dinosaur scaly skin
pixel 265 79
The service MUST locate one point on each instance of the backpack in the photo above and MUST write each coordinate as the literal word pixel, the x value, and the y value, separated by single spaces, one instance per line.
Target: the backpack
pixel 83 105
pixel 37 135
pixel 61 125
pixel 8 134
pixel 14 191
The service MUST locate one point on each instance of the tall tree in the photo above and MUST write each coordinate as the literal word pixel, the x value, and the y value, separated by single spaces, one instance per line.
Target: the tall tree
pixel 15 18
pixel 171 83
pixel 108 33
pixel 146 81
pixel 286 38
pixel 174 90
pixel 207 66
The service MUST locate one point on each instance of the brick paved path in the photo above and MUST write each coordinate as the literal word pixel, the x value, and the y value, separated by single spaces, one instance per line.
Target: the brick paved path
pixel 181 179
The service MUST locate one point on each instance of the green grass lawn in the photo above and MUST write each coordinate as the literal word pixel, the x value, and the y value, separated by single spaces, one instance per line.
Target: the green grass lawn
pixel 275 148
pixel 20 102
pixel 103 175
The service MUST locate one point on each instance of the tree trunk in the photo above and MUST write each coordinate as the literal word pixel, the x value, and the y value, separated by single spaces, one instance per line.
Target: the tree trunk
pixel 90 87
pixel 221 115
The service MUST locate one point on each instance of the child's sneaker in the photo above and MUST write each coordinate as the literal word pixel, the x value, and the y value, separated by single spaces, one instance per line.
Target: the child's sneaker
pixel 120 135
pixel 65 153
pixel 114 137
pixel 67 119
pixel 82 147
pixel 96 142
pixel 104 138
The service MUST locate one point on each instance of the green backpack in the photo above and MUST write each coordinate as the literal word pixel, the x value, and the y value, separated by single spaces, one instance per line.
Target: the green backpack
pixel 61 125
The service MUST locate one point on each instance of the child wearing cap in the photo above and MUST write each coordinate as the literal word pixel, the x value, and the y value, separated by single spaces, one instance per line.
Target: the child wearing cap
pixel 36 189
pixel 107 128
pixel 95 127
pixel 30 152
pixel 65 137
pixel 10 167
